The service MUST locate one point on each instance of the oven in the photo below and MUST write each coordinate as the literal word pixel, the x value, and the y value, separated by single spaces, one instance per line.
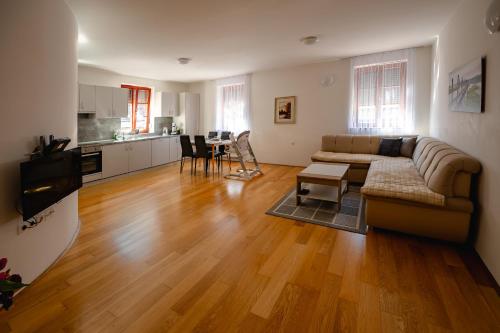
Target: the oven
pixel 91 160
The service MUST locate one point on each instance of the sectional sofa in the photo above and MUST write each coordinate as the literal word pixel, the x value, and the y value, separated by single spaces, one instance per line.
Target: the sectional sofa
pixel 427 194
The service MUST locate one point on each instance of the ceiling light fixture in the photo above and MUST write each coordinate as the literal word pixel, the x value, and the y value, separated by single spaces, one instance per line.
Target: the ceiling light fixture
pixel 184 61
pixel 309 40
pixel 492 19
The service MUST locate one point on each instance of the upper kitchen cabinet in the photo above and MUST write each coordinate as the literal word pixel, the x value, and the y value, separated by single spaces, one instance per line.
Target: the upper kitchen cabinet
pixel 104 102
pixel 120 102
pixel 189 112
pixel 111 102
pixel 168 103
pixel 87 99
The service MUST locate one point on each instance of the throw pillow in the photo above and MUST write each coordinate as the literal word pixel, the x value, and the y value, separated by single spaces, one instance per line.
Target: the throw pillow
pixel 390 146
pixel 408 146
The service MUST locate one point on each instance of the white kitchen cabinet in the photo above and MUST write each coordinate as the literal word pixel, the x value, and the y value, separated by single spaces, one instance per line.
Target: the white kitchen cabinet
pixel 111 102
pixel 115 159
pixel 189 113
pixel 120 103
pixel 175 148
pixel 139 155
pixel 104 102
pixel 160 151
pixel 168 103
pixel 86 99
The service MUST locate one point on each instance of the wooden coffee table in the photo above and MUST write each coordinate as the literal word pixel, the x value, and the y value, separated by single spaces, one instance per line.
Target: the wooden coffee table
pixel 328 181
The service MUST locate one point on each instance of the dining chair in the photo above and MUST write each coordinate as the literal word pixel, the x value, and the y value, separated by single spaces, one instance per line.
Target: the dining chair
pixel 187 151
pixel 225 135
pixel 202 151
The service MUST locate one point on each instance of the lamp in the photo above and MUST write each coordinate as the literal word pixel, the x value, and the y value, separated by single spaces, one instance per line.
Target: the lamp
pixel 492 19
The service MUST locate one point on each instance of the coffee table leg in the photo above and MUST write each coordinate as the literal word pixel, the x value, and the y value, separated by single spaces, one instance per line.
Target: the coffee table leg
pixel 299 189
pixel 339 196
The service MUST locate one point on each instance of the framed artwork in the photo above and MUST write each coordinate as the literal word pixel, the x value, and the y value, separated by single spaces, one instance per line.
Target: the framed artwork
pixel 466 87
pixel 284 110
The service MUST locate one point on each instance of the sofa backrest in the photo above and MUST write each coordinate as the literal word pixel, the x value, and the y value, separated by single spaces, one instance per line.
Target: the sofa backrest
pixel 445 169
pixel 355 144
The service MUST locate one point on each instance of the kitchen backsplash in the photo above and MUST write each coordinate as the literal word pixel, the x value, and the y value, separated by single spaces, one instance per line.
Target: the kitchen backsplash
pixel 92 129
pixel 161 122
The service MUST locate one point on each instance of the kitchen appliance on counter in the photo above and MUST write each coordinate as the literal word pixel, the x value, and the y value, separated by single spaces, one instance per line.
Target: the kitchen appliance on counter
pixel 91 163
pixel 174 129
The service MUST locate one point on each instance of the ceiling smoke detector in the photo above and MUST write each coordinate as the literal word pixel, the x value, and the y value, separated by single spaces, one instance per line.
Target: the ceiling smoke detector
pixel 309 40
pixel 184 61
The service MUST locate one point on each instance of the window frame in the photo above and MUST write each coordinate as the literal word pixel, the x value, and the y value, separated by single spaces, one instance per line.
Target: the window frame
pixel 135 93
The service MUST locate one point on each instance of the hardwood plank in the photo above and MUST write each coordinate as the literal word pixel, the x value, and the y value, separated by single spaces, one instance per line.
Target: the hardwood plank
pixel 369 317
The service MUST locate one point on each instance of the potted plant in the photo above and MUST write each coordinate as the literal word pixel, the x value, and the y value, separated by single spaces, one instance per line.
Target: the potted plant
pixel 8 285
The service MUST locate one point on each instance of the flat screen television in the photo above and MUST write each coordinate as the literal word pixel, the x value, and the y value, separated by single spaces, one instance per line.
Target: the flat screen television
pixel 48 179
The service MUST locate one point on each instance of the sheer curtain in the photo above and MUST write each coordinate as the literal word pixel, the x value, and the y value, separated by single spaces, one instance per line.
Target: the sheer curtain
pixel 382 93
pixel 233 104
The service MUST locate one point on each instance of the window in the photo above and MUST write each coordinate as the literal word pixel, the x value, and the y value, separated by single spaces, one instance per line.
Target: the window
pixel 380 98
pixel 139 100
pixel 233 105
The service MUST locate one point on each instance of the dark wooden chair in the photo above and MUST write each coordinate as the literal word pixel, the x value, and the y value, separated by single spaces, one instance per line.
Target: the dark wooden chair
pixel 222 149
pixel 202 151
pixel 187 151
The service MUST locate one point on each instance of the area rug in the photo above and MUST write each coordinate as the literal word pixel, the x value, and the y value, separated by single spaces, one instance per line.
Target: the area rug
pixel 350 218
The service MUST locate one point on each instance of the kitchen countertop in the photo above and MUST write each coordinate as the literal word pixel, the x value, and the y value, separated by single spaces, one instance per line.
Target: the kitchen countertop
pixel 130 139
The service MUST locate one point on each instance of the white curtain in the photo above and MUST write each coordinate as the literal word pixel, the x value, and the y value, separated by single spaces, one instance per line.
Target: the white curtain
pixel 382 93
pixel 233 104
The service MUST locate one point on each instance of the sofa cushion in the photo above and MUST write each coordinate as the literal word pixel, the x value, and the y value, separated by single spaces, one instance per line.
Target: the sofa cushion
pixel 326 156
pixel 440 164
pixel 390 147
pixel 357 144
pixel 399 179
pixel 408 146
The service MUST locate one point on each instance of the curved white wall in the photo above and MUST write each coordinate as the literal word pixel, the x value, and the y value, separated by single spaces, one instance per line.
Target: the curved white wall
pixel 38 90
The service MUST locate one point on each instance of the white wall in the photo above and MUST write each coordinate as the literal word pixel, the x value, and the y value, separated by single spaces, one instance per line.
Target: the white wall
pixel 38 89
pixel 101 77
pixel 463 39
pixel 320 110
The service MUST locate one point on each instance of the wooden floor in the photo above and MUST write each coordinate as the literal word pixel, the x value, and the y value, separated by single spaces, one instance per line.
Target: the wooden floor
pixel 159 251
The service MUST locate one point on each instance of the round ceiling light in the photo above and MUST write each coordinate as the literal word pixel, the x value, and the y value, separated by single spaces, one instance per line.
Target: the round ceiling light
pixel 184 61
pixel 309 40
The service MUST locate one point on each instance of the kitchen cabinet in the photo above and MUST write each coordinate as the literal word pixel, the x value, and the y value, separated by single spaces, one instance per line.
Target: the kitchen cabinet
pixel 86 99
pixel 139 155
pixel 115 159
pixel 189 113
pixel 103 102
pixel 160 151
pixel 168 103
pixel 175 148
pixel 120 102
pixel 111 102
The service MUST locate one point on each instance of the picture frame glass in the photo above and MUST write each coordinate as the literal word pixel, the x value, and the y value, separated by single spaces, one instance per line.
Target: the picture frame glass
pixel 284 110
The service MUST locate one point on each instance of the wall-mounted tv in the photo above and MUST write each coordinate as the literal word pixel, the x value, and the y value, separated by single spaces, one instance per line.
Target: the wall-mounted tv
pixel 48 179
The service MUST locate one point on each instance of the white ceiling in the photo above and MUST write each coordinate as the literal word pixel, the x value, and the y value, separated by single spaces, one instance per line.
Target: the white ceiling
pixel 229 37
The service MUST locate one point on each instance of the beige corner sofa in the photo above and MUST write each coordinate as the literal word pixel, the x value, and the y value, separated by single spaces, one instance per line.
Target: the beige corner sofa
pixel 427 195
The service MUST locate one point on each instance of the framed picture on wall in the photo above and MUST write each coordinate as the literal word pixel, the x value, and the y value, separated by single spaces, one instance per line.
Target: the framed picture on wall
pixel 466 87
pixel 284 110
